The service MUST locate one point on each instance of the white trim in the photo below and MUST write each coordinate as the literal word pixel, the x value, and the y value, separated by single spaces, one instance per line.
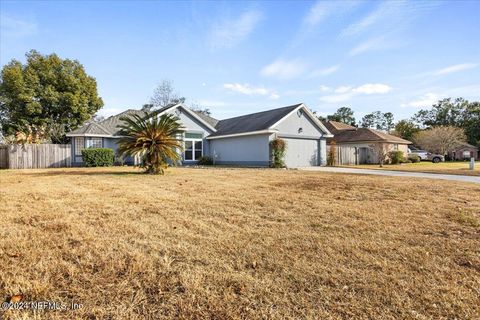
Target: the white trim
pixel 250 133
pixel 191 113
pixel 326 133
pixel 296 136
pixel 193 140
pixel 89 135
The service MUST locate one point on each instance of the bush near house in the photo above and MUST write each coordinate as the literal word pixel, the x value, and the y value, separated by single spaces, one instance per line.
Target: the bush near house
pixel 278 146
pixel 396 157
pixel 98 157
pixel 205 161
pixel 414 158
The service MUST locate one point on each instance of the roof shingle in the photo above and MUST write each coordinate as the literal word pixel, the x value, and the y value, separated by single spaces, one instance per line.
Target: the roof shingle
pixel 252 122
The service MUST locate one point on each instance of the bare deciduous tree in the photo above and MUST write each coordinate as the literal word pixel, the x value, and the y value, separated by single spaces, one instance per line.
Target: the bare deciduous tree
pixel 381 152
pixel 163 95
pixel 440 139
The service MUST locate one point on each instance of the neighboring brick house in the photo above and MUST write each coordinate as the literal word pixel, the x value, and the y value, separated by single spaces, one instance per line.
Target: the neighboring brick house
pixel 464 152
pixel 359 143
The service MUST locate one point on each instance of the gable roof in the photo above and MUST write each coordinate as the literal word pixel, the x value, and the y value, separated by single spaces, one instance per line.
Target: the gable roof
pixel 109 126
pixel 366 134
pixel 466 145
pixel 210 120
pixel 347 133
pixel 335 126
pixel 252 122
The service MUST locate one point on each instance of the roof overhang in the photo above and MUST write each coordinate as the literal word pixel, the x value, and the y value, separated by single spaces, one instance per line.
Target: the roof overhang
pixel 371 141
pixel 70 135
pixel 250 133
pixel 326 132
pixel 192 114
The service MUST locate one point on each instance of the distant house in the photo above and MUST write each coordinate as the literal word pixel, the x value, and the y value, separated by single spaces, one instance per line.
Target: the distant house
pixel 241 140
pixel 464 152
pixel 361 142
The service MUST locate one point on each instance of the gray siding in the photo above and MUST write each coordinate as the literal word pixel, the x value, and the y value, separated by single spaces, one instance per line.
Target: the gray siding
pixel 192 125
pixel 302 152
pixel 292 124
pixel 305 147
pixel 245 150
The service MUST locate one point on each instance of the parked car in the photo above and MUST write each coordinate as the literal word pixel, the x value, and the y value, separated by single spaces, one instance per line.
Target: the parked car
pixel 427 156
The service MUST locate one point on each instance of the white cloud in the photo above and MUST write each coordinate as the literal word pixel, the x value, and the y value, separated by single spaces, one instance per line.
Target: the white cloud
pixel 426 100
pixel 284 69
pixel 231 32
pixel 249 90
pixel 370 44
pixel 324 71
pixel 389 16
pixel 274 96
pixel 325 88
pixel 455 68
pixel 373 88
pixel 343 89
pixel 345 93
pixel 15 27
pixel 321 10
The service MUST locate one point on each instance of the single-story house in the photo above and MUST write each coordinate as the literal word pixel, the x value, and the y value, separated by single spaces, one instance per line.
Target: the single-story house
pixel 464 151
pixel 242 140
pixel 360 143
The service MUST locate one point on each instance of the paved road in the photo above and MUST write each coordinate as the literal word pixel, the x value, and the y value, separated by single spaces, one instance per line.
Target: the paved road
pixel 396 173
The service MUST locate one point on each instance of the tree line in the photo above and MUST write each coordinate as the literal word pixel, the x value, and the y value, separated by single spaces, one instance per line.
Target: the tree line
pixel 457 113
pixel 46 97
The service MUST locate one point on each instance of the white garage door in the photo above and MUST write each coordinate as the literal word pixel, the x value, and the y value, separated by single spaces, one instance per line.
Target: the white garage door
pixel 301 153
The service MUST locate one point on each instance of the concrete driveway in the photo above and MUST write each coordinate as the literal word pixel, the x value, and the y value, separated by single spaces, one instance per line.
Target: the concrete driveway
pixel 395 173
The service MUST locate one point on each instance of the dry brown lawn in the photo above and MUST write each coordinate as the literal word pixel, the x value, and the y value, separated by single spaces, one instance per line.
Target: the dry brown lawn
pixel 457 168
pixel 239 244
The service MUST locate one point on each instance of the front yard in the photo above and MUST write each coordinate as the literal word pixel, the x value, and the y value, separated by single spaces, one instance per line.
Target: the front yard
pixel 239 243
pixel 459 168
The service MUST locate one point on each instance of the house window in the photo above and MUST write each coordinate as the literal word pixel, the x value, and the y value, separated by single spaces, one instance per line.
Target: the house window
pixel 94 142
pixel 193 149
pixel 79 145
pixel 395 146
pixel 466 154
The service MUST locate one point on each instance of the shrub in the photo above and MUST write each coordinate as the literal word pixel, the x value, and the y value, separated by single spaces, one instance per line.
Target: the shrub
pixel 205 161
pixel 278 146
pixel 396 157
pixel 414 158
pixel 98 157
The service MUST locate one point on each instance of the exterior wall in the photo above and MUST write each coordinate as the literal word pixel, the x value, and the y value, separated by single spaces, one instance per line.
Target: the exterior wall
pixel 245 150
pixel 372 157
pixel 190 124
pixel 458 154
pixel 305 139
pixel 302 152
pixel 323 152
pixel 291 125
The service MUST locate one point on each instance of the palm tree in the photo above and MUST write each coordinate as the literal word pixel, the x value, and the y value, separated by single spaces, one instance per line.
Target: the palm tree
pixel 155 139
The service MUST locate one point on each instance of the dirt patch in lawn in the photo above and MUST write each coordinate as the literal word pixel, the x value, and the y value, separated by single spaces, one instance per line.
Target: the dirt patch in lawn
pixel 239 243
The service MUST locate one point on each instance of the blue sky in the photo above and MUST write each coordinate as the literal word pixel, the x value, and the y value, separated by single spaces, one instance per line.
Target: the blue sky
pixel 242 57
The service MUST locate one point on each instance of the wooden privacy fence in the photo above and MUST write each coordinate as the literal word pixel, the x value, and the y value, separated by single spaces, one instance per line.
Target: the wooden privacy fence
pixel 35 156
pixel 353 155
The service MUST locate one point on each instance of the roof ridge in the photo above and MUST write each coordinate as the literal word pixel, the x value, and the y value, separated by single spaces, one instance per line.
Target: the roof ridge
pixel 99 125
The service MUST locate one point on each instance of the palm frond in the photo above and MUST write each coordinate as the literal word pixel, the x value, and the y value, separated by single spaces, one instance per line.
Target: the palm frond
pixel 156 139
